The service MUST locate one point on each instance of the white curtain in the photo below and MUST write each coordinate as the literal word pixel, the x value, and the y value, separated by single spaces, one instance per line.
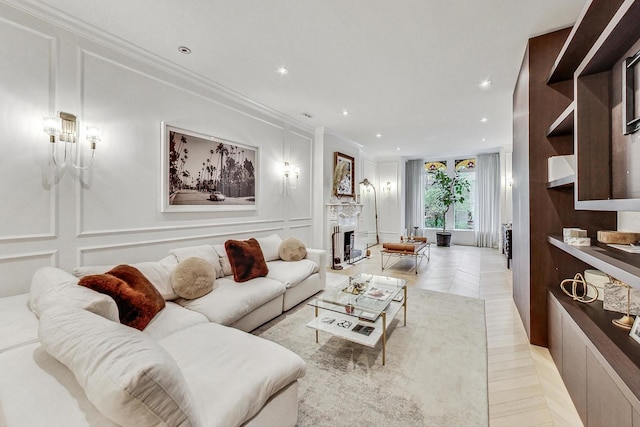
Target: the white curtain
pixel 488 205
pixel 414 209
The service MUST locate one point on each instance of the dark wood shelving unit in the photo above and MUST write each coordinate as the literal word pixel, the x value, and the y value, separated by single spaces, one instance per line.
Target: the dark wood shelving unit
pixel 622 265
pixel 619 35
pixel 564 182
pixel 593 19
pixel 564 123
pixel 599 363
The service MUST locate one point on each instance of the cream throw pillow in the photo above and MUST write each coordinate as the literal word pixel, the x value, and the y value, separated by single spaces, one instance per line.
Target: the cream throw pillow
pixel 193 278
pixel 124 372
pixel 292 249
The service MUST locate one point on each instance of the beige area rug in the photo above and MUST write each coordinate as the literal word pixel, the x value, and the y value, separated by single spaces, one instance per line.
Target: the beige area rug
pixel 435 372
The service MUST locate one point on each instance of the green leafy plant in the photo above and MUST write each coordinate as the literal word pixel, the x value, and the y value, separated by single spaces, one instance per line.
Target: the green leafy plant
pixel 447 190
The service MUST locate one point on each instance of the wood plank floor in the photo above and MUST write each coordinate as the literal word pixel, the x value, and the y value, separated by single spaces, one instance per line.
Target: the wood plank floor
pixel 525 388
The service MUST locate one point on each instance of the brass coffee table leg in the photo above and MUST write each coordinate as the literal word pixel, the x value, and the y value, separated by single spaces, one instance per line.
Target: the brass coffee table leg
pixel 384 336
pixel 316 329
pixel 404 304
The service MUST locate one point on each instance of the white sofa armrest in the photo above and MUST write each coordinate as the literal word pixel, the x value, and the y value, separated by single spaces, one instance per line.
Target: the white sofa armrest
pixel 319 256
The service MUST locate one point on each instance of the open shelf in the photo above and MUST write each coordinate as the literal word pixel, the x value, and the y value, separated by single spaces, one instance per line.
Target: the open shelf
pixel 622 265
pixel 564 123
pixel 618 37
pixel 564 182
pixel 594 18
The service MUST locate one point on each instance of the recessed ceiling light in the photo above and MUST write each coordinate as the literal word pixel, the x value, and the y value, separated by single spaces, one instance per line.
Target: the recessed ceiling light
pixel 378 135
pixel 398 149
pixel 485 84
pixel 484 139
pixel 283 71
pixel 184 49
pixel 484 120
pixel 345 113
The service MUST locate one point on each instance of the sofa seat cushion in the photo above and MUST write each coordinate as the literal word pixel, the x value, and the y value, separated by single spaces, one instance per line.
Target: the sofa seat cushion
pixel 291 273
pixel 230 300
pixel 232 374
pixel 123 371
pixel 171 319
pixel 19 324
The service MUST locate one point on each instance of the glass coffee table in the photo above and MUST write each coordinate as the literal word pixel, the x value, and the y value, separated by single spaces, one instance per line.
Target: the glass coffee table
pixel 360 309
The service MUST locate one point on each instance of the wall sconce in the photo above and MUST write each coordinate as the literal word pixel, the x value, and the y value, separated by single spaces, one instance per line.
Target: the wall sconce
pixel 291 169
pixel 64 126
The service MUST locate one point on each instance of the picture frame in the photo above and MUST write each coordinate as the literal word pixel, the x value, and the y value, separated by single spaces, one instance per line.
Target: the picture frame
pixel 343 175
pixel 204 173
pixel 635 330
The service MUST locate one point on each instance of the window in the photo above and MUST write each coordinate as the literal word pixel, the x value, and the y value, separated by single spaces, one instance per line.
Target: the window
pixel 432 215
pixel 464 212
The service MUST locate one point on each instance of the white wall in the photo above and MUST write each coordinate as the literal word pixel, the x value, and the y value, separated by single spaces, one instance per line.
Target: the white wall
pixel 112 213
pixel 629 221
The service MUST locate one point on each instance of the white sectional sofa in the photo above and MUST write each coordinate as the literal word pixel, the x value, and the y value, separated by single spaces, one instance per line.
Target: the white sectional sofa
pixel 67 361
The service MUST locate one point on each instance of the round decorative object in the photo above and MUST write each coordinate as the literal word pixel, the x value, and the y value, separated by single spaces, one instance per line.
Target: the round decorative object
pixel 580 294
pixel 193 278
pixel 292 249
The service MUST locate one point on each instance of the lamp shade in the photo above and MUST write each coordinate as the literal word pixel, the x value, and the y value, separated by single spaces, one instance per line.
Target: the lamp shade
pixel 52 125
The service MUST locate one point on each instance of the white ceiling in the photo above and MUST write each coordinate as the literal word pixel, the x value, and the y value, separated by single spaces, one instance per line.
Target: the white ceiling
pixel 407 69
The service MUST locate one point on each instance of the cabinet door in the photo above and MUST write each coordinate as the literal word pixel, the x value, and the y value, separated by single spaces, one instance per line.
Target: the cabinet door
pixel 606 405
pixel 574 366
pixel 636 418
pixel 555 331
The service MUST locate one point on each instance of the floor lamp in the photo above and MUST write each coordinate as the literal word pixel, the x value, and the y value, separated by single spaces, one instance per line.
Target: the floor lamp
pixel 366 183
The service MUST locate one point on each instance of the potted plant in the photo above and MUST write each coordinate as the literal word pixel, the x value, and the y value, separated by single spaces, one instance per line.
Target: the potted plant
pixel 448 190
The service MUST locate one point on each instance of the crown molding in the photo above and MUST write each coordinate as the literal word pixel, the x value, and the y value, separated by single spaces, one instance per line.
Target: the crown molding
pixel 74 25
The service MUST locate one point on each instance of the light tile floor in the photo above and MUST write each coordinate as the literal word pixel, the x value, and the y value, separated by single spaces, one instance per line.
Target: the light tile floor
pixel 525 388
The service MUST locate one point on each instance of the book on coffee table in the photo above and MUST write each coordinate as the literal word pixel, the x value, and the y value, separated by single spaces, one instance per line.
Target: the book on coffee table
pixel 364 330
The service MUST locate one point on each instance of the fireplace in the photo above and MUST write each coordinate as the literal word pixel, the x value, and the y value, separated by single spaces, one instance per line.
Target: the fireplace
pixel 350 252
pixel 343 220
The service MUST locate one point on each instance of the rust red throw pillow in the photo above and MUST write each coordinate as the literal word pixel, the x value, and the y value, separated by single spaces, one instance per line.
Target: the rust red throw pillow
pixel 246 259
pixel 137 299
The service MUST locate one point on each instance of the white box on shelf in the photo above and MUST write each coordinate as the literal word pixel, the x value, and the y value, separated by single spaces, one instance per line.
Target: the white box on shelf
pixel 568 233
pixel 560 167
pixel 579 241
pixel 596 278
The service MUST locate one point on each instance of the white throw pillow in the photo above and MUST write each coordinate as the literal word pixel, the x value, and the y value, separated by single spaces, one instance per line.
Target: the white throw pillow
pixel 73 295
pixel 43 280
pixel 124 372
pixel 206 252
pixel 269 246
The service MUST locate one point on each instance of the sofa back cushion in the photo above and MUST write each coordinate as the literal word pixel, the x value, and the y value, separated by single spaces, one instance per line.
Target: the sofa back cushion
pixel 269 246
pixel 137 300
pixel 124 372
pixel 51 286
pixel 224 260
pixel 247 261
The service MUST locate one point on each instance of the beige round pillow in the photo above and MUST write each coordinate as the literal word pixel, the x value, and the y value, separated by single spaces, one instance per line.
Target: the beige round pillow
pixel 292 249
pixel 193 278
